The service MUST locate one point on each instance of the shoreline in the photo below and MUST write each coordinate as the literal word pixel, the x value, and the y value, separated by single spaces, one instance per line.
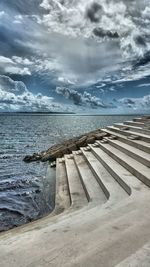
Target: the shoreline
pixel 66 147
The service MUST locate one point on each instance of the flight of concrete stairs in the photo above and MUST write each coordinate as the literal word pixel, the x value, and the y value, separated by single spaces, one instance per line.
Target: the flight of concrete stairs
pixel 102 207
pixel 110 169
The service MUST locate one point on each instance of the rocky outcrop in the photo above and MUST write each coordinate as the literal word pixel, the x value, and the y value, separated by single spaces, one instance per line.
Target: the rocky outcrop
pixel 57 151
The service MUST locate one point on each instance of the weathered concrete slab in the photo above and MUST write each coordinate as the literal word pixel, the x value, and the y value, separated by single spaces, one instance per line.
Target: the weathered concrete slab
pixel 140 136
pixel 77 193
pixel 110 187
pixel 135 153
pixel 90 184
pixel 136 168
pixel 135 143
pixel 136 129
pixel 62 197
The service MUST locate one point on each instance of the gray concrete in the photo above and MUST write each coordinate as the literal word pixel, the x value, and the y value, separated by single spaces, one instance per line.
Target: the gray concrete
pixel 135 143
pixel 135 153
pixel 134 123
pixel 143 137
pixel 90 184
pixel 77 193
pixel 133 128
pixel 110 187
pixel 62 197
pixel 136 168
pixel 125 178
pixel 142 119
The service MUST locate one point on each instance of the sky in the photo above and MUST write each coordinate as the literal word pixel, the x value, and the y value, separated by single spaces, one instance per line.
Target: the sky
pixel 79 56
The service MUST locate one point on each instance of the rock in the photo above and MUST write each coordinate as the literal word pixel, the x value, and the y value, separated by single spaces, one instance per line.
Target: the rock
pixel 99 136
pixel 73 144
pixel 51 156
pixel 53 164
pixel 28 158
pixel 72 147
pixel 81 142
pixel 34 157
pixel 90 140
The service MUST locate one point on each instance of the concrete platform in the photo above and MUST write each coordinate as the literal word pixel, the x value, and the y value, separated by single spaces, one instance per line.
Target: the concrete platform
pixel 127 132
pixel 101 216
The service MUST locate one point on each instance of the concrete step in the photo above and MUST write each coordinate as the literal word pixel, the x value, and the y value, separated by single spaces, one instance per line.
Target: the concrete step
pixel 142 119
pixel 134 123
pixel 134 143
pixel 147 126
pixel 77 193
pixel 113 191
pixel 136 168
pixel 135 153
pixel 144 125
pixel 125 178
pixel 130 133
pixel 91 186
pixel 132 128
pixel 62 195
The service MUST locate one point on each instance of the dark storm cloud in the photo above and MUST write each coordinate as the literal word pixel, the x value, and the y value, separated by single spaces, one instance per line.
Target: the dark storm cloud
pixel 105 33
pixel 81 99
pixel 129 101
pixel 140 40
pixel 93 12
pixel 70 94
pixel 145 59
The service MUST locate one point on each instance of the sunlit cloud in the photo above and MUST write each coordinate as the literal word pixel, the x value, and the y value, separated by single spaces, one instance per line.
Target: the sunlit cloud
pixel 15 96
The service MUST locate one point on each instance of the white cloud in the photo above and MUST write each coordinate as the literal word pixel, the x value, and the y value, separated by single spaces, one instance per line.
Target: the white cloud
pixel 2 13
pixel 9 85
pixel 65 81
pixel 146 13
pixel 144 85
pixel 133 74
pixel 141 104
pixel 15 65
pixel 6 60
pixel 112 89
pixel 18 19
pixel 23 61
pixel 17 70
pixel 15 96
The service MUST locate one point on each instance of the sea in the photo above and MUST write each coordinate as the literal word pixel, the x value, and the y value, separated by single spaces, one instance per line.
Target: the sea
pixel 27 193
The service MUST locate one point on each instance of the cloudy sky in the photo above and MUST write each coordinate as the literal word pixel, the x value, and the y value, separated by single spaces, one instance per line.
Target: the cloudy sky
pixel 78 56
